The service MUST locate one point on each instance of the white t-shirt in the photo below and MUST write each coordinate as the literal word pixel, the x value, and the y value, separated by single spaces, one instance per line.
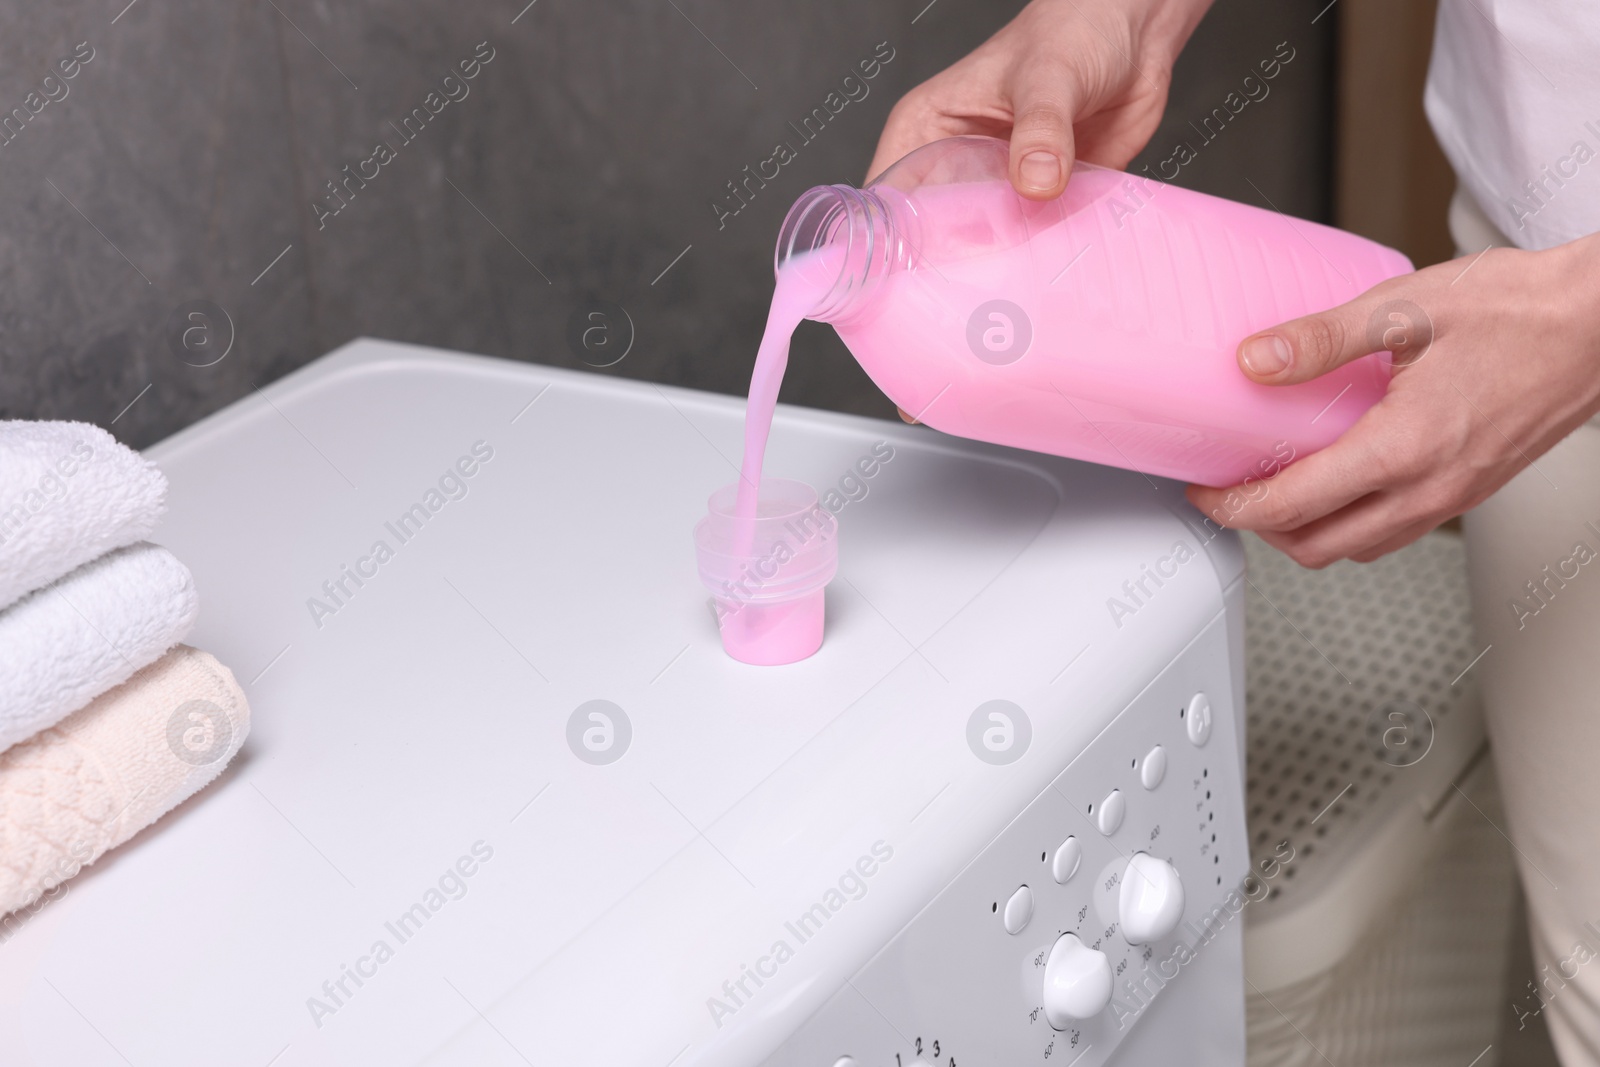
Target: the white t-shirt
pixel 1514 97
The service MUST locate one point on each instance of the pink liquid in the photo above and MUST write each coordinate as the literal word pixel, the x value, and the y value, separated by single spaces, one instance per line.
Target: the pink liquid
pixel 1136 296
pixel 798 291
pixel 762 631
pixel 772 635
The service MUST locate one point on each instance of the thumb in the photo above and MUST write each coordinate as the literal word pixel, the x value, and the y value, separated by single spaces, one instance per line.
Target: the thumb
pixel 1308 347
pixel 1042 145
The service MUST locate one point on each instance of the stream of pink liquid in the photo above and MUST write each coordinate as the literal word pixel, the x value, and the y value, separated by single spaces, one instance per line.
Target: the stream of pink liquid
pixel 787 630
pixel 802 283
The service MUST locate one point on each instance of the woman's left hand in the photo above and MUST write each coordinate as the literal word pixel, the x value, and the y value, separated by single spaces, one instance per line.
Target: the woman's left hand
pixel 1497 358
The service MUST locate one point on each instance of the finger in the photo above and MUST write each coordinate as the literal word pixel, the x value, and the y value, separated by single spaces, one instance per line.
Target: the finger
pixel 1305 348
pixel 1368 458
pixel 905 417
pixel 1295 497
pixel 1042 143
pixel 1414 532
pixel 1368 528
pixel 1364 531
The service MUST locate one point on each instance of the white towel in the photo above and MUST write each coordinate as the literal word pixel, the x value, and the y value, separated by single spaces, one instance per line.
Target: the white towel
pixel 69 492
pixel 101 775
pixel 65 644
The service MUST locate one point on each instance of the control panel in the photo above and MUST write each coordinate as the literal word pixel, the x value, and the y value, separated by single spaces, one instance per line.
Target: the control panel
pixel 1116 892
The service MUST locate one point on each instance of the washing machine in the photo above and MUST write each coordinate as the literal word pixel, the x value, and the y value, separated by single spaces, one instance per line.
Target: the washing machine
pixel 506 801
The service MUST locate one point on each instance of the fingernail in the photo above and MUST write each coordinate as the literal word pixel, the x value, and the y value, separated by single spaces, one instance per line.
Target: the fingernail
pixel 1266 355
pixel 1039 171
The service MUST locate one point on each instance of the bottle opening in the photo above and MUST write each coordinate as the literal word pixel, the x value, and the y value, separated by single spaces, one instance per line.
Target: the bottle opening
pixel 845 240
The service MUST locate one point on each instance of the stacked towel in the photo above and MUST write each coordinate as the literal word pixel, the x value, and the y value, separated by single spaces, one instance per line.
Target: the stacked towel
pixel 69 492
pixel 63 645
pixel 87 784
pixel 104 724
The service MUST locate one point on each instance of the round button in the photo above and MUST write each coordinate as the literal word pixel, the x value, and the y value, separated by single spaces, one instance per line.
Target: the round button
pixel 1151 899
pixel 1112 808
pixel 1067 858
pixel 1153 768
pixel 845 1061
pixel 1198 719
pixel 1077 982
pixel 1018 910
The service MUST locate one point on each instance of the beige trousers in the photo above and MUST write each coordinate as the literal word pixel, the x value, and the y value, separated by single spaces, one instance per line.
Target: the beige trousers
pixel 1533 552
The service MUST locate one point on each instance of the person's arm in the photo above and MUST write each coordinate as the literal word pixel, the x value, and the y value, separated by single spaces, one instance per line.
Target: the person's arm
pixel 1501 360
pixel 1065 78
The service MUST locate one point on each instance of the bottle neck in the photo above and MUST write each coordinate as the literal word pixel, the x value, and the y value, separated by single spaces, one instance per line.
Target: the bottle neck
pixel 850 238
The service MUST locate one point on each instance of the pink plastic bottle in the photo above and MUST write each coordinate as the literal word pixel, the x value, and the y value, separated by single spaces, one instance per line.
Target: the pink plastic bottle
pixel 1102 325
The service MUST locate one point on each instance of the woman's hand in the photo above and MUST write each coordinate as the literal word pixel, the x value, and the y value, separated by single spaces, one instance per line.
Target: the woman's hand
pixel 1065 78
pixel 1498 358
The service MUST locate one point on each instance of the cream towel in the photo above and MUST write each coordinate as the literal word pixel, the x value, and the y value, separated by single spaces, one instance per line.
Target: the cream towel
pixel 69 492
pixel 64 645
pixel 104 773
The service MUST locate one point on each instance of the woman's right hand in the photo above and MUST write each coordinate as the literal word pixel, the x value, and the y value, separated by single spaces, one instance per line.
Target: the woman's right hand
pixel 1064 79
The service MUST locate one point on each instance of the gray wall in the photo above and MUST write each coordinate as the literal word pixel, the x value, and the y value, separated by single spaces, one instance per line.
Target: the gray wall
pixel 188 153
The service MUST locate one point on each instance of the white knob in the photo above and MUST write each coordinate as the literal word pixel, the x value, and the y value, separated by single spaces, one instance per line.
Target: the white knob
pixel 1018 910
pixel 1198 721
pixel 1077 982
pixel 1151 901
pixel 1112 808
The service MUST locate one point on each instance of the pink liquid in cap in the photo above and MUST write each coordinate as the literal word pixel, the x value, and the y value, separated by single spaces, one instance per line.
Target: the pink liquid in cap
pixel 766 548
pixel 766 572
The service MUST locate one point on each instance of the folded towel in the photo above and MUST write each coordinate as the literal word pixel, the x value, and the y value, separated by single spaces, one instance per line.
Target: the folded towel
pixel 65 644
pixel 109 770
pixel 69 492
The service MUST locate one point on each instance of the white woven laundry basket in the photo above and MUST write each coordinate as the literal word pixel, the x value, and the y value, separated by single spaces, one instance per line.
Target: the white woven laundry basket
pixel 1384 940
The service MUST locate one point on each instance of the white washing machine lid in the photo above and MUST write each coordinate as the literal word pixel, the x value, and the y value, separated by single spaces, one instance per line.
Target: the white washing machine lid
pixel 407 862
